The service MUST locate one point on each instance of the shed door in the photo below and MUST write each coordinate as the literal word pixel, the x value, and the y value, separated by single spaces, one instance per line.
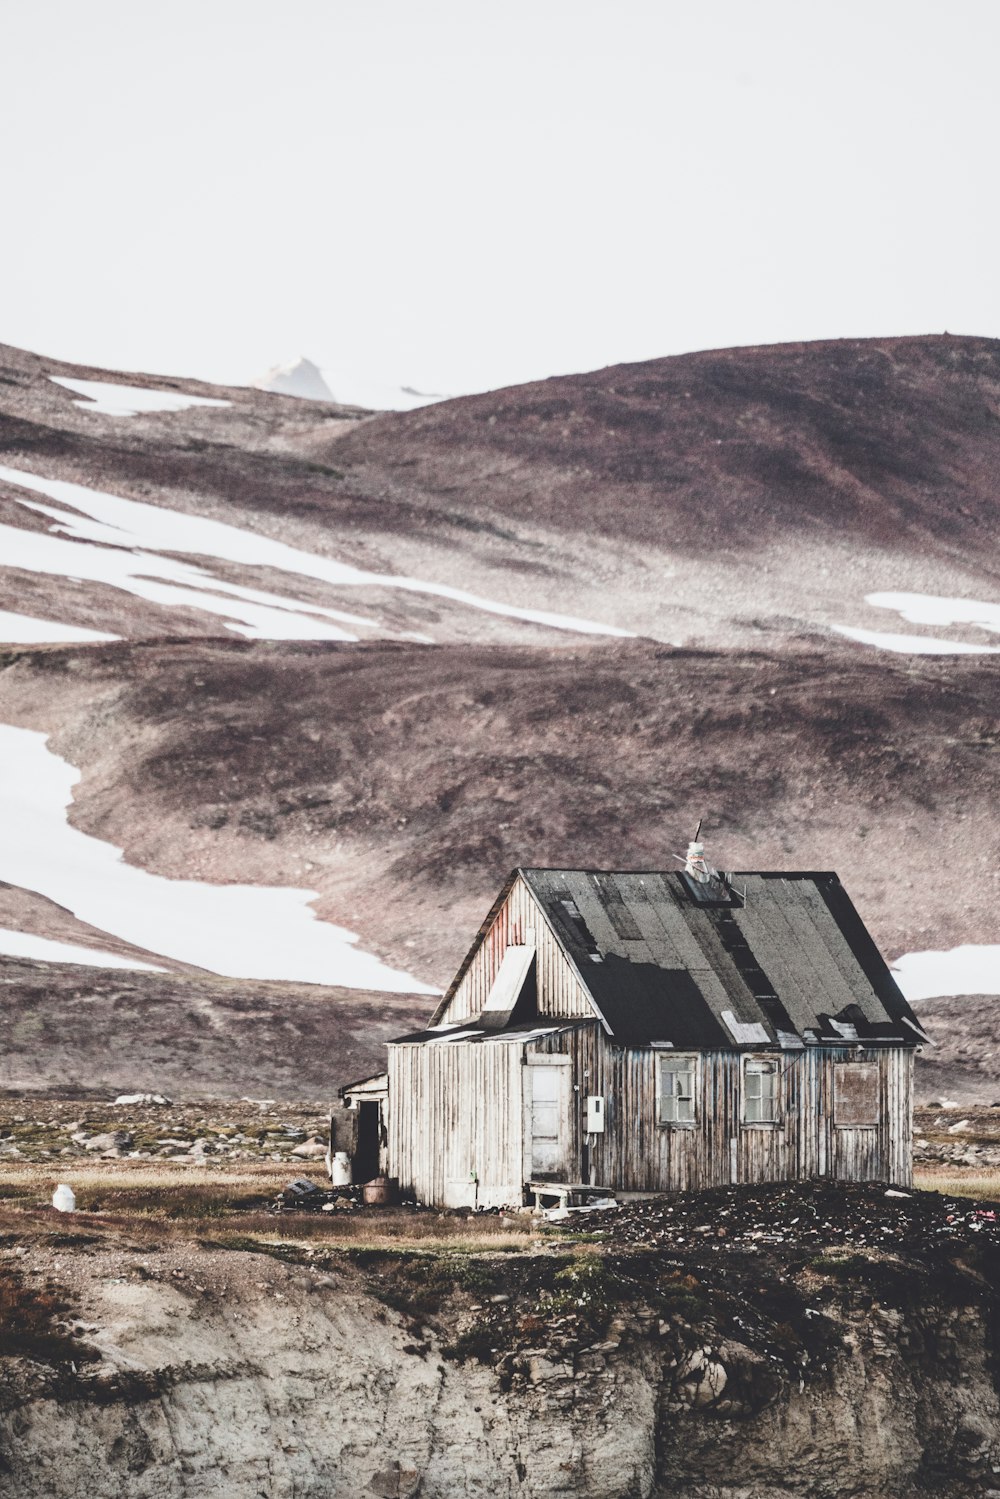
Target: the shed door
pixel 548 1133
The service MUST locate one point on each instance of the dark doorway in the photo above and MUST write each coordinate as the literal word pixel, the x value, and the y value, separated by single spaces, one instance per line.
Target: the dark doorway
pixel 366 1155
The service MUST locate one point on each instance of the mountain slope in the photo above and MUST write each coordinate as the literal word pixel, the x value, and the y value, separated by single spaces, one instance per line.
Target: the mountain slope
pixel 402 782
pixel 368 663
pixel 741 497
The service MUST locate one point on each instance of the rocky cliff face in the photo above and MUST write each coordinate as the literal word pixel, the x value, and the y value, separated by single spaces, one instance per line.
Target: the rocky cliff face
pixel 233 1373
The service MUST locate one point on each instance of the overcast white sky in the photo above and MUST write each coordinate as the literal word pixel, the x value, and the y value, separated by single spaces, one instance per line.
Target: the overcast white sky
pixel 461 195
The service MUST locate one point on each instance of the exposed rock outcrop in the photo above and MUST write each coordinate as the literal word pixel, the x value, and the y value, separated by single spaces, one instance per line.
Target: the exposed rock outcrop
pixel 234 1374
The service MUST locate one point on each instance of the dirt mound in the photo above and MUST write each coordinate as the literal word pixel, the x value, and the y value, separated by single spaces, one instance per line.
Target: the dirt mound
pixel 801 1215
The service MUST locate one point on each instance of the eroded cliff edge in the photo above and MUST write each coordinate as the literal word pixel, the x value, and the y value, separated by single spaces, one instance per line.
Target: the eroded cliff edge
pixel 734 1351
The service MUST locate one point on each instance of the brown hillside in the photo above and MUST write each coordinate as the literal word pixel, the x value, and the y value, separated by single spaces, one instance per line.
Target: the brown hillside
pixel 63 1028
pixel 402 782
pixel 890 441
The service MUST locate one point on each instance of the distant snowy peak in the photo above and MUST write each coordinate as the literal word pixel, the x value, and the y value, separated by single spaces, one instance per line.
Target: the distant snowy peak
pixel 299 378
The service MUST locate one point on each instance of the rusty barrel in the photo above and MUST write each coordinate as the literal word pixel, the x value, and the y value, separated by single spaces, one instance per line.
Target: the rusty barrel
pixel 380 1191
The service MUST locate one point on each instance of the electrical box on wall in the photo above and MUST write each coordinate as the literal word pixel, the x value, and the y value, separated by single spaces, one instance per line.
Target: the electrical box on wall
pixel 595 1115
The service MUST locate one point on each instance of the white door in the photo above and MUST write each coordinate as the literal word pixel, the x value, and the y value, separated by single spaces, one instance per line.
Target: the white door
pixel 547 1132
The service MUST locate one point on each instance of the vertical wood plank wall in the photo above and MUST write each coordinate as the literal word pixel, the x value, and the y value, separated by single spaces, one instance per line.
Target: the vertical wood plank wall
pixel 457 1109
pixel 456 1113
pixel 559 990
pixel 636 1154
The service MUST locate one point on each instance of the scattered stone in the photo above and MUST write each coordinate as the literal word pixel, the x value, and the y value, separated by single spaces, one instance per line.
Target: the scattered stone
pixel 115 1140
pixel 311 1149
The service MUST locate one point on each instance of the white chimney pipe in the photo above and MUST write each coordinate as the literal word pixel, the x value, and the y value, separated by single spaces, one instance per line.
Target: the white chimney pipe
pixel 696 865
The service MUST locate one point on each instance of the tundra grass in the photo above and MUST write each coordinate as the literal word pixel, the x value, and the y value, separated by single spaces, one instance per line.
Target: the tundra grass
pixel 972 1181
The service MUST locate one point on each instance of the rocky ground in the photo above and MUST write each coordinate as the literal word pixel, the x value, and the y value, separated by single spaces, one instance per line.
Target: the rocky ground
pixel 151 1127
pixel 806 1340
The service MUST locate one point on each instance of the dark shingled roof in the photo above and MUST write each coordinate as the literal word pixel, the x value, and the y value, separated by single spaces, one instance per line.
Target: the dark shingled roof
pixel 753 959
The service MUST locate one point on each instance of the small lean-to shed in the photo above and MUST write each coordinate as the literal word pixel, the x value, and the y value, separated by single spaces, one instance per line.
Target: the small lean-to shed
pixel 649 1031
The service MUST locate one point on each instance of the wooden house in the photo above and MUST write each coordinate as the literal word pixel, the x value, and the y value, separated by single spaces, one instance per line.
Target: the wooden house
pixel 648 1032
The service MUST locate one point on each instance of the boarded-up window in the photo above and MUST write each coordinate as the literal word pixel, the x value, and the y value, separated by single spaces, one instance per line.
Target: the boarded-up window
pixel 760 1091
pixel 675 1104
pixel 855 1093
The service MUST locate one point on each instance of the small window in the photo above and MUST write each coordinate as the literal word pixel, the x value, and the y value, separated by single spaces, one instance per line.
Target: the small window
pixel 676 1098
pixel 760 1092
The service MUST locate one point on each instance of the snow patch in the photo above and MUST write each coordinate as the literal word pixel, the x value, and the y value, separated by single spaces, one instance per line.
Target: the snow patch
pixel 20 629
pixel 915 645
pixel 133 524
pixel 929 609
pixel 240 931
pixel 48 950
pixel 108 399
pixel 970 969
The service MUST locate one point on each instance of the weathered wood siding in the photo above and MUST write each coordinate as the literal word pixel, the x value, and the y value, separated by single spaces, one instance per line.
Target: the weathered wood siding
pixel 635 1153
pixel 559 990
pixel 456 1122
pixel 459 1132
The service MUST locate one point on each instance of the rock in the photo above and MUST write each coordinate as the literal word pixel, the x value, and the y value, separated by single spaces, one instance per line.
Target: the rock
pixel 64 1199
pixel 150 1098
pixel 311 1149
pixel 395 1482
pixel 541 1370
pixel 701 1379
pixel 960 1127
pixel 118 1140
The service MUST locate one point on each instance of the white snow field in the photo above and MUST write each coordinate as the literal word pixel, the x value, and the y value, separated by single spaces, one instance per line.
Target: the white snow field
pixel 129 531
pixel 915 645
pixel 929 609
pixel 107 399
pixel 47 950
pixel 964 970
pixel 20 629
pixel 240 931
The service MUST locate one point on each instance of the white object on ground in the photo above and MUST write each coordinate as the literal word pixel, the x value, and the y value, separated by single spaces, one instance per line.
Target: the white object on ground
pixel 20 629
pixel 915 645
pixel 48 950
pixel 241 931
pixel 64 1199
pixel 340 1169
pixel 969 969
pixel 892 1192
pixel 135 525
pixel 108 399
pixel 127 1098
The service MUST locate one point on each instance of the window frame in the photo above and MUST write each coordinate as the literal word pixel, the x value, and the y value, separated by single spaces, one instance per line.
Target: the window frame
pixel 668 1062
pixel 760 1066
pixel 871 1065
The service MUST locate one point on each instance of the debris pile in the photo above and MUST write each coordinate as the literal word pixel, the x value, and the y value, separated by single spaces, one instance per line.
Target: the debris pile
pixel 305 1196
pixel 808 1215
